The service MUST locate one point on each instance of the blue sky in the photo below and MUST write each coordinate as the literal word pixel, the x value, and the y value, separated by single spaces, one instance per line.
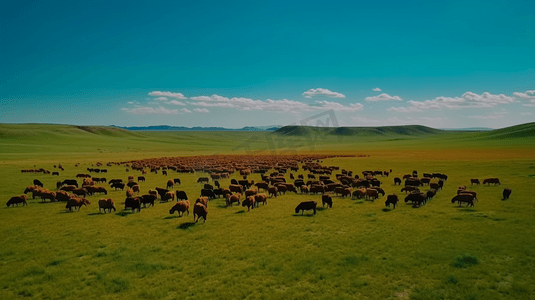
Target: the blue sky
pixel 246 63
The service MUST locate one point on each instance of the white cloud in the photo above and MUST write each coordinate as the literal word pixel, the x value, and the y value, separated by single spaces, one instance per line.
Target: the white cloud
pixel 146 110
pixel 285 105
pixel 201 110
pixel 175 102
pixel 467 100
pixel 487 117
pixel 383 97
pixel 526 114
pixel 530 95
pixel 376 89
pixel 340 107
pixel 405 109
pixel 167 94
pixel 185 110
pixel 161 99
pixel 322 92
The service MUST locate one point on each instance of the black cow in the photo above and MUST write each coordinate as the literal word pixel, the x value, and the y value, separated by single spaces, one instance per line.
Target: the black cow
pixel 133 203
pixel 181 195
pixel 148 199
pixel 37 182
pixel 208 193
pixel 326 199
pixel 306 205
pixel 70 182
pixel 416 198
pixel 506 193
pixel 391 199
pixel 118 185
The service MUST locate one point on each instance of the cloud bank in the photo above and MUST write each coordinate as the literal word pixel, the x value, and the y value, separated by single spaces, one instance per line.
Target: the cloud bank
pixel 322 92
pixel 467 101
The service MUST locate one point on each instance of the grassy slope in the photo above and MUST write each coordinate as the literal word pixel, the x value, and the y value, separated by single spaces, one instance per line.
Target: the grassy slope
pixel 355 250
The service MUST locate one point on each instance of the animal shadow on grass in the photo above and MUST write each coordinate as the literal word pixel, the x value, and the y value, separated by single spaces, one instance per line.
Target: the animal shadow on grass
pixel 96 214
pixel 467 209
pixel 173 217
pixel 305 214
pixel 124 213
pixel 186 225
pixel 240 211
pixel 387 209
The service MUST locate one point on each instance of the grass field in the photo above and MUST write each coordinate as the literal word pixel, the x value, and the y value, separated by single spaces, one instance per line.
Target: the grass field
pixel 356 250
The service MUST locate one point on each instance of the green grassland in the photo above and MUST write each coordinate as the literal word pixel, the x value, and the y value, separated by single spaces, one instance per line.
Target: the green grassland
pixel 356 250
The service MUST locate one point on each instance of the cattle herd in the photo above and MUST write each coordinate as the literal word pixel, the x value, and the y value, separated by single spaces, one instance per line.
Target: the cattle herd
pixel 321 180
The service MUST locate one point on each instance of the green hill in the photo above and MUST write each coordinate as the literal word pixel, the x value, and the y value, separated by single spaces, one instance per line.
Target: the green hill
pixel 55 130
pixel 517 131
pixel 359 131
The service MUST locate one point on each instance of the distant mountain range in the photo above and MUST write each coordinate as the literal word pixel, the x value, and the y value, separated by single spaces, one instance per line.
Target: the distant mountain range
pixel 182 128
pixel 267 128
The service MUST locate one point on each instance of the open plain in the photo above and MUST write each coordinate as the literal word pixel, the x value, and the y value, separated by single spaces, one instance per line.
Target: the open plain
pixel 357 249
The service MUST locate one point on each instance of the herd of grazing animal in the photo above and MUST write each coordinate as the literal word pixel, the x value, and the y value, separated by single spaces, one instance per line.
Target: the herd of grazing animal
pixel 320 181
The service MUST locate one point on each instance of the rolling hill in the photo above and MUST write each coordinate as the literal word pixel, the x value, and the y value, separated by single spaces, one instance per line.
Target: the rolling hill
pixel 406 130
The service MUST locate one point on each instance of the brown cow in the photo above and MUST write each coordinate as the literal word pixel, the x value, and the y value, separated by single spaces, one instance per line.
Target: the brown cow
pixel 169 196
pixel 371 194
pixel 129 193
pixel 260 198
pixel 32 188
pixel 249 202
pixel 203 201
pixel 180 207
pixel 317 189
pixel 80 192
pixel 199 210
pixel 136 189
pixel 233 198
pixel 62 196
pixel 272 191
pixel 76 202
pixel 346 192
pixel 460 192
pixel 68 188
pixel 250 193
pixel 359 194
pixel 48 195
pixel 170 184
pixel 236 188
pixel 262 185
pixel 16 200
pixel 106 204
